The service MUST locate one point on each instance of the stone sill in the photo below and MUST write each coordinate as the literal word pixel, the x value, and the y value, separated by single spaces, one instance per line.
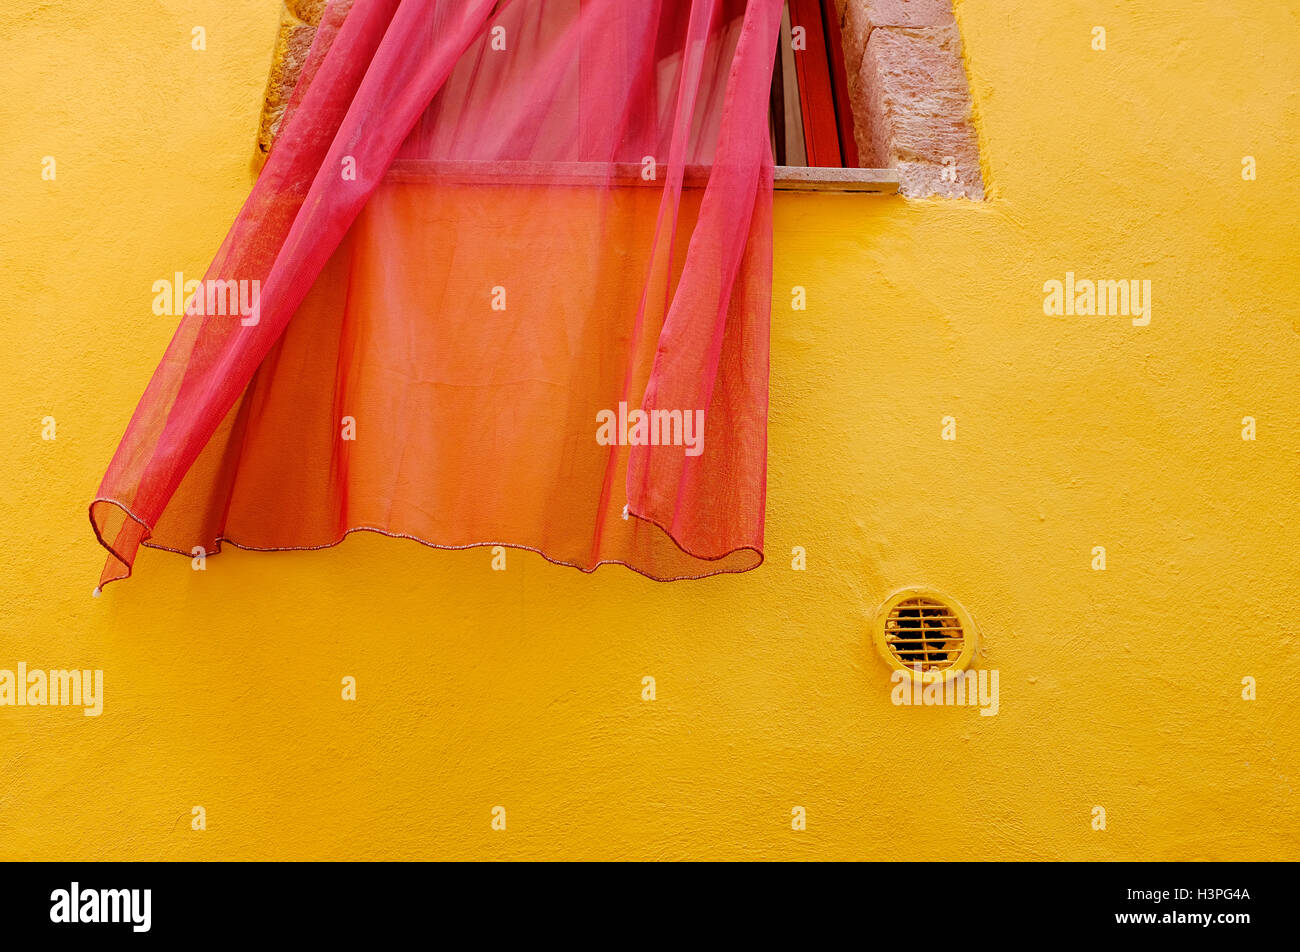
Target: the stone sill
pixel 786 178
pixel 792 178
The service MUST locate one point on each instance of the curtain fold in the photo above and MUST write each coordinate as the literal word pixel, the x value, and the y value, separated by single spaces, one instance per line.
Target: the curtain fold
pixel 503 280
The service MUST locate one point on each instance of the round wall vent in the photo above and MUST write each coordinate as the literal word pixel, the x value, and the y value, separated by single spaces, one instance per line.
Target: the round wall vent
pixel 925 633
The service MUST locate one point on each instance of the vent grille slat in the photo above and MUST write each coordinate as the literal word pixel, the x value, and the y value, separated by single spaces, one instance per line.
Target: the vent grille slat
pixel 922 632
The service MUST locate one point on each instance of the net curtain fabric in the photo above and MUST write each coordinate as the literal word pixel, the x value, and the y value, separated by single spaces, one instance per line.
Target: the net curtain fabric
pixel 504 279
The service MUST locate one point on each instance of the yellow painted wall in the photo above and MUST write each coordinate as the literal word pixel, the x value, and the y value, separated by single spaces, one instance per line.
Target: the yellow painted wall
pixel 1118 688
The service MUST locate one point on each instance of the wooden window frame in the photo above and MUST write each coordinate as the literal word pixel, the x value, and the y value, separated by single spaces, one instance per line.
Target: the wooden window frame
pixel 816 100
pixel 823 86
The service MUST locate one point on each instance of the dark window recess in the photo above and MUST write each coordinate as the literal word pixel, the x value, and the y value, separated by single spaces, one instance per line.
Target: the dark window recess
pixel 811 119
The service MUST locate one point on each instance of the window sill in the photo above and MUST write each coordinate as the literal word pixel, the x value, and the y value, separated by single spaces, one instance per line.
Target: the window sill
pixel 787 178
pixel 794 178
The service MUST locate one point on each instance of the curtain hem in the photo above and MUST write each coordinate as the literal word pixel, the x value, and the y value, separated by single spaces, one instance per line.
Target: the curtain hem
pixel 747 566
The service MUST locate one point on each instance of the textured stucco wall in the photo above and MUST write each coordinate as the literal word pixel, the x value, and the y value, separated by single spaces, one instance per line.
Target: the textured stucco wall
pixel 476 688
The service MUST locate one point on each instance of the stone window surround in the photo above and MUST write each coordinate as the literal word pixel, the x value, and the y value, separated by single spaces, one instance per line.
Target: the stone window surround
pixel 910 95
pixel 907 88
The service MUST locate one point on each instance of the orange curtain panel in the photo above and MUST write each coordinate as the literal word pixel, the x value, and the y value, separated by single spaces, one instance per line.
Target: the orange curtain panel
pixel 505 279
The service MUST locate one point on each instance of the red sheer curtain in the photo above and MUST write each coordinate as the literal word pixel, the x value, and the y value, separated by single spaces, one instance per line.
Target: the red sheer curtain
pixel 504 280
